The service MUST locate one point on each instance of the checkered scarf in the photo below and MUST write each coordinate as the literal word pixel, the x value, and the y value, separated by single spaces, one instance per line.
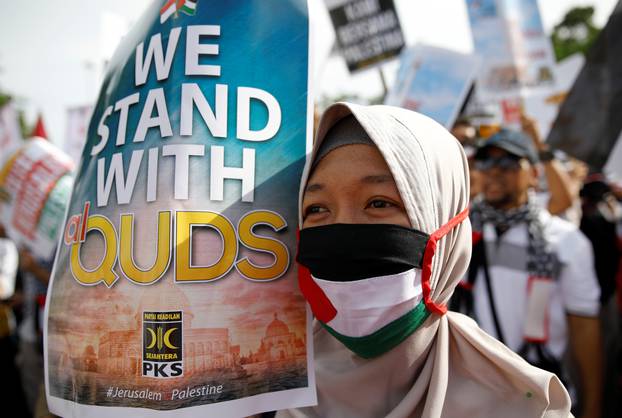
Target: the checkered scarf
pixel 541 261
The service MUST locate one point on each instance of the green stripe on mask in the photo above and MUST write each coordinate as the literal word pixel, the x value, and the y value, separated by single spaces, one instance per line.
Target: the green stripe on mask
pixel 385 338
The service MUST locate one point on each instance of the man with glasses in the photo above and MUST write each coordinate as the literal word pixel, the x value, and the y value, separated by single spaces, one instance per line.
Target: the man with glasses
pixel 531 278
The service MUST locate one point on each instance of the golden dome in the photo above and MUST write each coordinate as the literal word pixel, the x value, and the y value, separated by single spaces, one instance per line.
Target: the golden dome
pixel 277 328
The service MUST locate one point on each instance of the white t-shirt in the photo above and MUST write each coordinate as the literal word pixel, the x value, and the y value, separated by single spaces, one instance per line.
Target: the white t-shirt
pixel 575 291
pixel 572 214
pixel 8 267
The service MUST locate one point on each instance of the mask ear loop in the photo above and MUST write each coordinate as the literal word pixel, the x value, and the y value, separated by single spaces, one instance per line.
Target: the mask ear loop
pixel 321 306
pixel 428 255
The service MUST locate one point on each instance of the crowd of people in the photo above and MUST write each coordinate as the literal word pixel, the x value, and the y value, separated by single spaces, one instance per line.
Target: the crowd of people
pixel 21 328
pixel 546 262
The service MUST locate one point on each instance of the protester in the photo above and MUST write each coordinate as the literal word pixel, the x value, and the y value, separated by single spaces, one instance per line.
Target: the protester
pixel 601 213
pixel 466 134
pixel 386 239
pixel 30 355
pixel 532 277
pixel 561 196
pixel 8 346
pixel 8 265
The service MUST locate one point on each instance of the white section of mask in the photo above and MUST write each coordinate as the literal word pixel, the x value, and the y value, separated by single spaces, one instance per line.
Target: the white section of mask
pixel 364 306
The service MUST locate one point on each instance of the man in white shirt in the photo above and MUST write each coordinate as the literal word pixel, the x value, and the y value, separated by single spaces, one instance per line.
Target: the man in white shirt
pixel 8 271
pixel 532 277
pixel 8 265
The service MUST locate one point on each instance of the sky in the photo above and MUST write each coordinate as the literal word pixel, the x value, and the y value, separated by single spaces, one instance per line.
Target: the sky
pixel 53 53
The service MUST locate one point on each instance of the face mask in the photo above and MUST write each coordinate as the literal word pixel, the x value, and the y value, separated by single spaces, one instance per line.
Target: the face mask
pixel 368 284
pixel 371 274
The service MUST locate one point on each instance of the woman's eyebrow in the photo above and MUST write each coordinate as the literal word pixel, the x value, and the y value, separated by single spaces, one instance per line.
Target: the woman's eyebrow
pixel 379 178
pixel 314 187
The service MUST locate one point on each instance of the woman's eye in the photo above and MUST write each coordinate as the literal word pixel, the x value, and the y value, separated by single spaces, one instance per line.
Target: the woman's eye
pixel 314 209
pixel 380 204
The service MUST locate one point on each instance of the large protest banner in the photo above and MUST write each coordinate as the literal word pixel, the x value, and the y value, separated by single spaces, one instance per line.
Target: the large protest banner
pixel 368 31
pixel 35 183
pixel 174 291
pixel 433 81
pixel 588 125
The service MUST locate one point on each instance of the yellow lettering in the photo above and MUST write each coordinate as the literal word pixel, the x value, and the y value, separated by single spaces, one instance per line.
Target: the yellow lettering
pixel 104 272
pixel 121 246
pixel 185 271
pixel 262 244
pixel 126 260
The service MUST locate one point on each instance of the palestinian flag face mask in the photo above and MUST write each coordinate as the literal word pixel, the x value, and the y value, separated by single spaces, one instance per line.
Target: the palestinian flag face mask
pixel 368 284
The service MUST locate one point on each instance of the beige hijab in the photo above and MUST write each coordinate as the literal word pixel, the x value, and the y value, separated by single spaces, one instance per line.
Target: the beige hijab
pixel 449 367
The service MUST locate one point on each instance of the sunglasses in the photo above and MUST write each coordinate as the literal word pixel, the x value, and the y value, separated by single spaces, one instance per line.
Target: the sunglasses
pixel 505 163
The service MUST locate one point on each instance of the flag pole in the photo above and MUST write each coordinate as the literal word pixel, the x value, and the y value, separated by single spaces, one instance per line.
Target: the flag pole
pixel 385 89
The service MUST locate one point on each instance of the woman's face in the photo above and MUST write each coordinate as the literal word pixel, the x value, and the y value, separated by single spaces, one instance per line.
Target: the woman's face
pixel 352 185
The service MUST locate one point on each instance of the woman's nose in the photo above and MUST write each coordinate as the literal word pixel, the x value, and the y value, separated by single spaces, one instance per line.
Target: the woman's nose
pixel 348 215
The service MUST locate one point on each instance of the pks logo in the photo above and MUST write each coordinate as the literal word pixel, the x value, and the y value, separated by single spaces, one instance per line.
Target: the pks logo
pixel 162 344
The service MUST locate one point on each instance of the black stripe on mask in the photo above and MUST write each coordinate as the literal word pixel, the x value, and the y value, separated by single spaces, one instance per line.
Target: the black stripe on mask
pixel 349 252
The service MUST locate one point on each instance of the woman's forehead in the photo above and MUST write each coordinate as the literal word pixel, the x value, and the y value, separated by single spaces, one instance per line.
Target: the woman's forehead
pixel 362 163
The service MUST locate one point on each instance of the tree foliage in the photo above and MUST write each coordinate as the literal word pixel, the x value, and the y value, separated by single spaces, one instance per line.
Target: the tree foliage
pixel 25 128
pixel 4 98
pixel 575 33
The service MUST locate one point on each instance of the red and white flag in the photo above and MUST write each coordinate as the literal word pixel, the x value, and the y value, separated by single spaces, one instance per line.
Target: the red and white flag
pixel 171 6
pixel 39 129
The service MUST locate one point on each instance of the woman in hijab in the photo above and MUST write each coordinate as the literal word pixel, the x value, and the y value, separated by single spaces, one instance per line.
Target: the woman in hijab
pixel 384 240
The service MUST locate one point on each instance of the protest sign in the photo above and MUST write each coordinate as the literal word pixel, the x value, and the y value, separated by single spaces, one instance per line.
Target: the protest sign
pixel 78 118
pixel 516 55
pixel 491 40
pixel 368 31
pixel 35 183
pixel 543 104
pixel 174 291
pixel 433 81
pixel 531 47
